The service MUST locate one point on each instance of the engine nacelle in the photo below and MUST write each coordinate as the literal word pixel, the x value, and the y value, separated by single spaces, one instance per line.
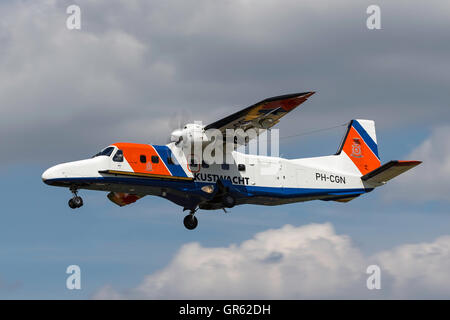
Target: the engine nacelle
pixel 192 133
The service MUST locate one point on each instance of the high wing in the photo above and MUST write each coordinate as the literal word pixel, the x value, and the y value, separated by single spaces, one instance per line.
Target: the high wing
pixel 262 115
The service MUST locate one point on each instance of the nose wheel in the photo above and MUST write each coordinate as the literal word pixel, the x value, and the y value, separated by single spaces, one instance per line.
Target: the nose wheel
pixel 190 221
pixel 76 201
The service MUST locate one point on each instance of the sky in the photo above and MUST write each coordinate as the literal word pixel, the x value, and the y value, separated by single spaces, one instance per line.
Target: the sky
pixel 137 69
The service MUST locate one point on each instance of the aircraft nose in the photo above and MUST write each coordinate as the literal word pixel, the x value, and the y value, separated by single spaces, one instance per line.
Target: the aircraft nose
pixel 46 175
pixel 62 173
pixel 50 173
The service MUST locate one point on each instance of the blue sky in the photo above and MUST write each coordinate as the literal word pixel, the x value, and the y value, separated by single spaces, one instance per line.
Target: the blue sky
pixel 64 95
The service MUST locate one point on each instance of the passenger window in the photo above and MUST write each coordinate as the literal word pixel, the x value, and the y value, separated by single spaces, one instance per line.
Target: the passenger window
pixel 118 157
pixel 155 159
pixel 241 167
pixel 143 158
pixel 225 166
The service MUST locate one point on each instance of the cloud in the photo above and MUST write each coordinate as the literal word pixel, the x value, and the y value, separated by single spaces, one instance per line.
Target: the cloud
pixel 305 262
pixel 431 180
pixel 65 94
pixel 418 270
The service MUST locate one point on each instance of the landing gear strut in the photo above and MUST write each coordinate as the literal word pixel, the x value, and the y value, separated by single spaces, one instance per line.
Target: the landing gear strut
pixel 190 221
pixel 76 201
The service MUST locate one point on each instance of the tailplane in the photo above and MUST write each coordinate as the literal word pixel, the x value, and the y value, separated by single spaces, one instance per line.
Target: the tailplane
pixel 388 171
pixel 360 145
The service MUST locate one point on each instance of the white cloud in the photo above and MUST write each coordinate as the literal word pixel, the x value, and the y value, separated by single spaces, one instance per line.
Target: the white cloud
pixel 311 261
pixel 418 270
pixel 431 179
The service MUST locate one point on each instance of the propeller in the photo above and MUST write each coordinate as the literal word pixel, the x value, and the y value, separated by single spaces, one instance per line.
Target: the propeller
pixel 175 124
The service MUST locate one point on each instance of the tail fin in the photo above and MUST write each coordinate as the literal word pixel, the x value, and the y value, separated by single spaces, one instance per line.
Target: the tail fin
pixel 360 145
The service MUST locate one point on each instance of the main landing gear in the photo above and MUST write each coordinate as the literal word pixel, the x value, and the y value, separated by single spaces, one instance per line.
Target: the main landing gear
pixel 190 221
pixel 76 201
pixel 221 202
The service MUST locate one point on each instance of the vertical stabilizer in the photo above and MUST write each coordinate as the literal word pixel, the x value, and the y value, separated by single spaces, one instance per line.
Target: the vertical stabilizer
pixel 360 145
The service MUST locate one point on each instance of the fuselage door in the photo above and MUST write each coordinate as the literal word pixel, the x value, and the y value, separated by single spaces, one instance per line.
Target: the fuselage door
pixel 251 170
pixel 287 175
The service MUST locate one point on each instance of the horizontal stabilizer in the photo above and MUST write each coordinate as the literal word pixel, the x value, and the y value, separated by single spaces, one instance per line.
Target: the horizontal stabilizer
pixel 389 171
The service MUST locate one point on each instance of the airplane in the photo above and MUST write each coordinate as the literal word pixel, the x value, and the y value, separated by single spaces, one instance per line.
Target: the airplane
pixel 130 171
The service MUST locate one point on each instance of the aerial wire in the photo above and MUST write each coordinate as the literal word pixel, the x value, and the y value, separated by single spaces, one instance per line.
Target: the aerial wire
pixel 313 131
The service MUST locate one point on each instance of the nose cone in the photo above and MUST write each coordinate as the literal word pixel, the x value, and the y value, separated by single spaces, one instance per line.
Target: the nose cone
pixel 56 173
pixel 64 174
pixel 49 174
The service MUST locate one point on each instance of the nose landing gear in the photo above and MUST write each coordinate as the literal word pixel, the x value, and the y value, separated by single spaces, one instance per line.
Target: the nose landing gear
pixel 190 221
pixel 76 201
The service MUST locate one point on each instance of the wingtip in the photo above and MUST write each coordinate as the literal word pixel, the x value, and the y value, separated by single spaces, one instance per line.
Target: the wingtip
pixel 305 95
pixel 409 162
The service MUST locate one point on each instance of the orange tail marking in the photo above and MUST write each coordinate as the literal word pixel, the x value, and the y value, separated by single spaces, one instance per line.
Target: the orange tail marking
pixel 360 153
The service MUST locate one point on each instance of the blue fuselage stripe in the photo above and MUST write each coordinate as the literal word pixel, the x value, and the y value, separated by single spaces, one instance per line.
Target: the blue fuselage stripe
pixel 164 153
pixel 195 187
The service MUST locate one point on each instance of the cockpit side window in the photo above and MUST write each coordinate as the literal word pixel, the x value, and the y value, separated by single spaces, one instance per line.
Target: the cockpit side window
pixel 118 157
pixel 105 152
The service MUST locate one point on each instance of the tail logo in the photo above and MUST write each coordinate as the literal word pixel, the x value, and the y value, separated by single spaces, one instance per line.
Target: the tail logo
pixel 356 149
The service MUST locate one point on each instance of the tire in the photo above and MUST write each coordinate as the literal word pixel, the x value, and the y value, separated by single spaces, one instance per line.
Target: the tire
pixel 78 201
pixel 72 204
pixel 190 222
pixel 228 201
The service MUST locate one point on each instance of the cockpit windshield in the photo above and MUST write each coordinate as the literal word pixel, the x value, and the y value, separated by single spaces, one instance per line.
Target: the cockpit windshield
pixel 105 152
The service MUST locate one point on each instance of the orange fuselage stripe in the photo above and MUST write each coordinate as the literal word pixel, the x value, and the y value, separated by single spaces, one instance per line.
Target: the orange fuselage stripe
pixel 132 153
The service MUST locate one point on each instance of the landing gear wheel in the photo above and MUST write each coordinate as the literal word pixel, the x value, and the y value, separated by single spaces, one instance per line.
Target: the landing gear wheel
pixel 75 202
pixel 78 201
pixel 72 204
pixel 228 201
pixel 190 222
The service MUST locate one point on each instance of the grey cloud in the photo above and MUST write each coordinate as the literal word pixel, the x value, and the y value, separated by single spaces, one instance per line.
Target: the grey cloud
pixel 136 63
pixel 430 180
pixel 273 257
